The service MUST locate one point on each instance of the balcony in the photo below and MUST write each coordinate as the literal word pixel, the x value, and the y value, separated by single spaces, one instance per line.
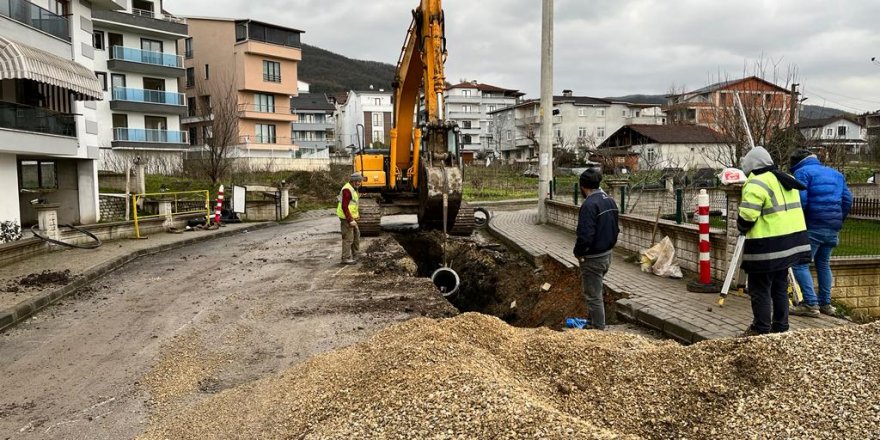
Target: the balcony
pixel 33 130
pixel 325 125
pixel 145 21
pixel 36 17
pixel 266 142
pixel 128 59
pixel 266 112
pixel 147 101
pixel 149 139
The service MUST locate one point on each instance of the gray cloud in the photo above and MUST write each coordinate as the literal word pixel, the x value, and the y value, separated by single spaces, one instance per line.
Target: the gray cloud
pixel 607 47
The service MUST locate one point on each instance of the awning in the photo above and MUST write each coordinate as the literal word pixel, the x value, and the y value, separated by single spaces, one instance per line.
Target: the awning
pixel 20 61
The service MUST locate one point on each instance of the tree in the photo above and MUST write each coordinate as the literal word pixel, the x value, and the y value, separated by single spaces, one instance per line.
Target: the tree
pixel 217 110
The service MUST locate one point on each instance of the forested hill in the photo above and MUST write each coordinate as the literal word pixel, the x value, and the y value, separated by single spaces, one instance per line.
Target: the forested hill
pixel 329 72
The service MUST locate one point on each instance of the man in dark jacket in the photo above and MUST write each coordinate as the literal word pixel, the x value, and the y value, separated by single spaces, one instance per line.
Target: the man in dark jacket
pixel 597 232
pixel 826 203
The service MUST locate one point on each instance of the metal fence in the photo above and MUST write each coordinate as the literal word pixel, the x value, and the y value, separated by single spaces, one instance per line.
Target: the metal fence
pixel 678 204
pixel 864 207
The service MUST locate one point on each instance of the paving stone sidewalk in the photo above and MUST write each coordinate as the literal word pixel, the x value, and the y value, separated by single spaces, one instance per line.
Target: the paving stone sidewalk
pixel 660 303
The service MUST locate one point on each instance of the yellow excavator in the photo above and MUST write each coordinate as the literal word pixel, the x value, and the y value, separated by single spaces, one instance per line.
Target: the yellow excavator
pixel 421 173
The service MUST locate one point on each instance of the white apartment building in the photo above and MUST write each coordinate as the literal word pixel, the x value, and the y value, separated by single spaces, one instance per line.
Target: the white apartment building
pixel 471 104
pixel 137 62
pixel 48 122
pixel 313 132
pixel 371 109
pixel 580 123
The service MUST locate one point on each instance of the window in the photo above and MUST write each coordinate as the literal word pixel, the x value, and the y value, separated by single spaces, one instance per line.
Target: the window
pixel 207 133
pixel 114 40
pixel 271 71
pixel 37 174
pixel 466 124
pixel 265 134
pixel 651 154
pixel 206 103
pixel 377 101
pixel 193 135
pixel 582 112
pixel 490 108
pixel 148 45
pixel 377 119
pixel 600 112
pixel 509 135
pixel 623 113
pixel 190 77
pixel 264 103
pixel 120 120
pixel 117 81
pixel 154 84
pixel 98 40
pixel 207 72
pixel 142 7
pixel 814 133
pixel 188 47
pixel 600 132
pixel 841 131
pixel 378 136
pixel 465 93
pixel 61 7
pixel 466 108
pixel 558 133
pixel 467 139
pixel 582 132
pixel 829 132
pixel 638 114
pixel 102 77
pixel 191 106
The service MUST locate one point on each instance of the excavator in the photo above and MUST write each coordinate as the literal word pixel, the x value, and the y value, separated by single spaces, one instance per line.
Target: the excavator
pixel 421 172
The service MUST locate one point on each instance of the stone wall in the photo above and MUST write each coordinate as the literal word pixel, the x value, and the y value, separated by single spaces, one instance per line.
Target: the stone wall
pixel 857 285
pixel 112 207
pixel 260 210
pixel 868 190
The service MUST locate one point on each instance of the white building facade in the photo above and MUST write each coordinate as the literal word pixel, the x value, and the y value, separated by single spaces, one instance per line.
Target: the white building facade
pixel 471 105
pixel 48 119
pixel 137 62
pixel 315 126
pixel 850 136
pixel 370 109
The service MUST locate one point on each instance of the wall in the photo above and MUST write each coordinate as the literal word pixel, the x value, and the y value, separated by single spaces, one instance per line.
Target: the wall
pixel 869 190
pixel 9 206
pixel 66 195
pixel 646 202
pixel 856 282
pixel 113 207
pixel 260 210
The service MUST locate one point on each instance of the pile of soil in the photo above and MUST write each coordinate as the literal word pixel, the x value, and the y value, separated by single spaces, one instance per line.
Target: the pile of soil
pixel 43 279
pixel 473 376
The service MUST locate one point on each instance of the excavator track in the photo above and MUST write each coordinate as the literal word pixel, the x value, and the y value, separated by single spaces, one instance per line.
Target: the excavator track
pixel 464 221
pixel 371 217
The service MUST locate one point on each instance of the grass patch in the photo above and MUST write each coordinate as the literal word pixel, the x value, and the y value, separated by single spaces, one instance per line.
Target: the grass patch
pixel 858 237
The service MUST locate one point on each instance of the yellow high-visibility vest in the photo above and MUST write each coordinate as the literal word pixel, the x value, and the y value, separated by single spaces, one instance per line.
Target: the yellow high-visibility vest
pixel 352 205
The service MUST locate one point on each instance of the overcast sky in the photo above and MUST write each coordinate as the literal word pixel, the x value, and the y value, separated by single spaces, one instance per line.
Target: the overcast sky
pixel 608 47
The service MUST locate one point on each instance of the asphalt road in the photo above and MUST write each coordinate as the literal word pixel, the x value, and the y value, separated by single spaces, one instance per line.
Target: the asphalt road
pixel 170 329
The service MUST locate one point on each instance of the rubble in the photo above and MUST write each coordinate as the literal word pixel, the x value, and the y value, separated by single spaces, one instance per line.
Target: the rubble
pixel 473 376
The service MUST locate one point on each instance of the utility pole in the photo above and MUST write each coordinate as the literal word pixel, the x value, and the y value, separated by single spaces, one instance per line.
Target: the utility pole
pixel 545 156
pixel 792 111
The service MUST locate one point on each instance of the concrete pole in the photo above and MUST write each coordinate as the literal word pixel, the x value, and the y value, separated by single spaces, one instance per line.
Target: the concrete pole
pixel 545 157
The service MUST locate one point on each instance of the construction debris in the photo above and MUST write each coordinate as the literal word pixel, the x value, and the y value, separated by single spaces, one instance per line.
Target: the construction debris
pixel 474 376
pixel 546 287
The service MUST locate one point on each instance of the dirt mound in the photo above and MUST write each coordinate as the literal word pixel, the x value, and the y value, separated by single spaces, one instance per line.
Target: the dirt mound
pixel 46 278
pixel 473 376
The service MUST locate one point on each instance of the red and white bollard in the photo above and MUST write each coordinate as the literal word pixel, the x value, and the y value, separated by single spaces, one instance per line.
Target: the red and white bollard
pixel 219 206
pixel 704 283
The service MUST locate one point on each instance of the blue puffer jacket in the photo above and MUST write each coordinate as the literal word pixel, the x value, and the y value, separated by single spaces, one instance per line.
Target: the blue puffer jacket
pixel 827 200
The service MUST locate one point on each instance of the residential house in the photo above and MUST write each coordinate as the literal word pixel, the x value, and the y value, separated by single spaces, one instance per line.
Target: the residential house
pixel 48 121
pixel 470 104
pixel 251 62
pixel 839 137
pixel 314 130
pixel 138 64
pixel 660 147
pixel 580 123
pixel 363 118
pixel 766 105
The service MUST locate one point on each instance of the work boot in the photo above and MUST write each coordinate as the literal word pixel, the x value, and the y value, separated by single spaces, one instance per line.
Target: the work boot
pixel 749 332
pixel 349 261
pixel 828 309
pixel 803 309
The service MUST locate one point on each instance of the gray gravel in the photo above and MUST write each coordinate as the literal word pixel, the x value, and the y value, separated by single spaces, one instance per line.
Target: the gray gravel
pixel 473 376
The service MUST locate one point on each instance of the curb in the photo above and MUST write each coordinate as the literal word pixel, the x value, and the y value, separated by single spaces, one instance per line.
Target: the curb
pixel 535 260
pixel 28 308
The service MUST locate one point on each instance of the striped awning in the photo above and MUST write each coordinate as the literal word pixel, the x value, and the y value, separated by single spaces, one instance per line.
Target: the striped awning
pixel 20 61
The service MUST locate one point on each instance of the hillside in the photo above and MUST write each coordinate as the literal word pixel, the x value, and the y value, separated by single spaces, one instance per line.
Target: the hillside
pixel 640 99
pixel 329 72
pixel 809 111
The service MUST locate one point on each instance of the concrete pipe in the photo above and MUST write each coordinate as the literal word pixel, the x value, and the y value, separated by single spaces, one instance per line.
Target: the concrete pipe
pixel 446 280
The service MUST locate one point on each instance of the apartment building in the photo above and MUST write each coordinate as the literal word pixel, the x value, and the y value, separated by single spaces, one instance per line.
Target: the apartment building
pixel 471 105
pixel 580 123
pixel 253 64
pixel 370 109
pixel 48 121
pixel 315 127
pixel 138 64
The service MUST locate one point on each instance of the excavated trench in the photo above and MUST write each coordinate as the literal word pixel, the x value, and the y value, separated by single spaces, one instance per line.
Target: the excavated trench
pixel 495 281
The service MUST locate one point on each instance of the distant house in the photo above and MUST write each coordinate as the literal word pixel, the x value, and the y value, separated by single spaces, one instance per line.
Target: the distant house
pixel 363 117
pixel 660 147
pixel 839 134
pixel 469 104
pixel 315 126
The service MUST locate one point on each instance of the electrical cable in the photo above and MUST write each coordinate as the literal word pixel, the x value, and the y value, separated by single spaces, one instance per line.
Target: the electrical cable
pixel 93 245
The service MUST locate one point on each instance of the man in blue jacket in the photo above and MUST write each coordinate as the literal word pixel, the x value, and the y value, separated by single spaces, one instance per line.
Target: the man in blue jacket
pixel 596 237
pixel 826 203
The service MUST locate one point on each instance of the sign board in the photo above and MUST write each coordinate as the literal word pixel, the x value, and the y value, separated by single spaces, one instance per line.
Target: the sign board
pixel 238 199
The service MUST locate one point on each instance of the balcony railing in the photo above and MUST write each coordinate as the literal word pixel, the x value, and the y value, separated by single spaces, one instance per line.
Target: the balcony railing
pixel 36 17
pixel 265 140
pixel 150 96
pixel 39 120
pixel 149 136
pixel 271 77
pixel 146 57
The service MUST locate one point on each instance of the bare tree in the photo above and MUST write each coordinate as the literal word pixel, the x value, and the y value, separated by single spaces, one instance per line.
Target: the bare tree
pixel 217 110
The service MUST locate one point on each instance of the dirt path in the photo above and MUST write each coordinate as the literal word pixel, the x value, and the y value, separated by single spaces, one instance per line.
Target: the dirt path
pixel 172 329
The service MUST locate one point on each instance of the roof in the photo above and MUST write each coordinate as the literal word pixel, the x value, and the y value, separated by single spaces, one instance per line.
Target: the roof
pixel 727 84
pixel 485 88
pixel 812 123
pixel 311 101
pixel 576 100
pixel 673 134
pixel 193 17
pixel 20 61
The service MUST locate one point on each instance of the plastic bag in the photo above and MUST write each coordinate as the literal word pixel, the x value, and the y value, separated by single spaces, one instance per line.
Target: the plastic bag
pixel 660 260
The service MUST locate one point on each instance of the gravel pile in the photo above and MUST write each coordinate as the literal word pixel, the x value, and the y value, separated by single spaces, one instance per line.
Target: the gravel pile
pixel 473 376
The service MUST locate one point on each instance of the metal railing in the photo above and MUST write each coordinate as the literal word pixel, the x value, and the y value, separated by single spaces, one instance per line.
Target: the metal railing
pixel 146 57
pixel 36 17
pixel 181 203
pixel 858 238
pixel 149 136
pixel 271 78
pixel 35 119
pixel 265 140
pixel 150 96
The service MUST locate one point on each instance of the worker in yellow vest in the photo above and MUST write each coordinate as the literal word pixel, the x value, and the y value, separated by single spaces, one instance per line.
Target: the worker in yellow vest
pixel 347 211
pixel 771 217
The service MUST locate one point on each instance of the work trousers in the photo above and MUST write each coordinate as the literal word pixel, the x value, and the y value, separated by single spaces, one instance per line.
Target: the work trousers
pixel 592 287
pixel 351 238
pixel 769 292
